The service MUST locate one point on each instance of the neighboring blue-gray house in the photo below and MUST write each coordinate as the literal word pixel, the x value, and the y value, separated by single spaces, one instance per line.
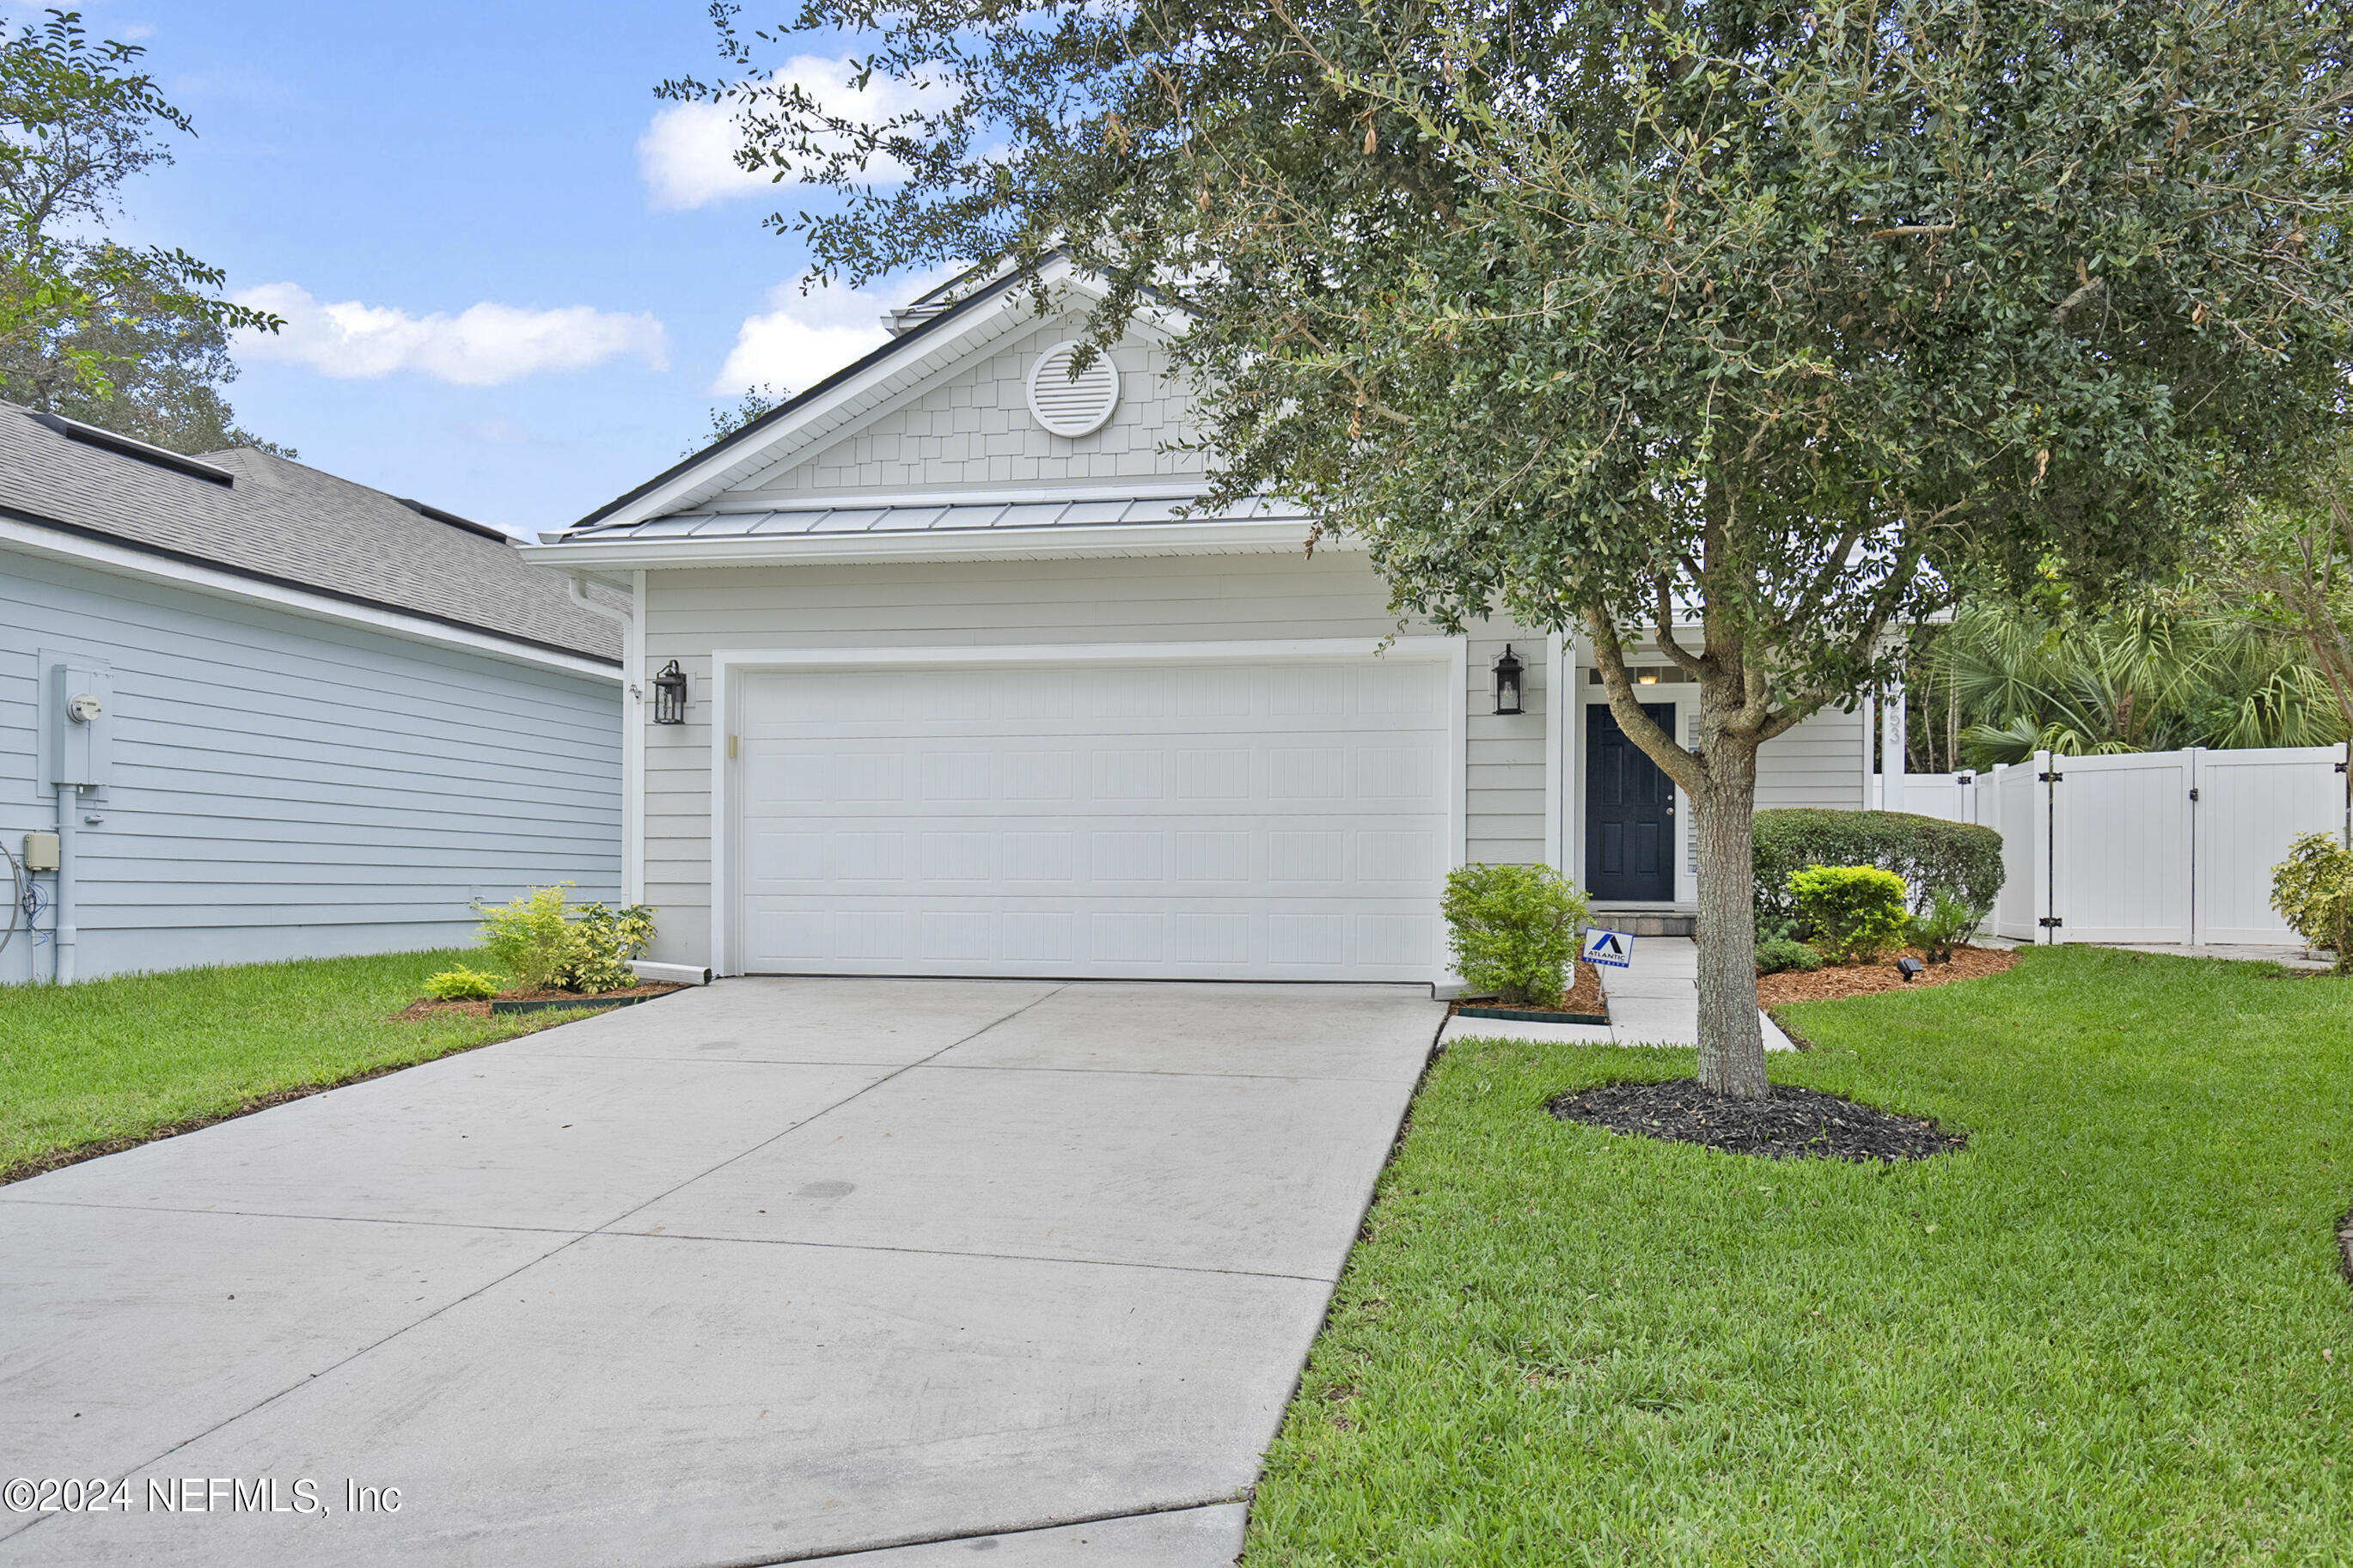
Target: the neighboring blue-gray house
pixel 292 716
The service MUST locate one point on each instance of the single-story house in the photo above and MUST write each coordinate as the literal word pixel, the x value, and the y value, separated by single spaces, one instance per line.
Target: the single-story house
pixel 963 694
pixel 250 712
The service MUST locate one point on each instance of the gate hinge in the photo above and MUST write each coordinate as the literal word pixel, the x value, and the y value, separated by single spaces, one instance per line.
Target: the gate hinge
pixel 2052 921
pixel 2050 778
pixel 2340 767
pixel 2193 794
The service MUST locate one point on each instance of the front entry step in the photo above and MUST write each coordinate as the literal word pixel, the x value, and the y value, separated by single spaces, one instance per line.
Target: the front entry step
pixel 1650 920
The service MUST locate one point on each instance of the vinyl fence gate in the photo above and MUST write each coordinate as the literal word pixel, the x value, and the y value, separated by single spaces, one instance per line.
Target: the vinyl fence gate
pixel 2146 847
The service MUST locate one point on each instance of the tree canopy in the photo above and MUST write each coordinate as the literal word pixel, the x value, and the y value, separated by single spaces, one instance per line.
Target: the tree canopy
pixel 132 338
pixel 1754 327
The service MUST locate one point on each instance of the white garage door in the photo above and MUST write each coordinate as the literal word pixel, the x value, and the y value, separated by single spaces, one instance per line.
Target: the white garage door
pixel 1279 819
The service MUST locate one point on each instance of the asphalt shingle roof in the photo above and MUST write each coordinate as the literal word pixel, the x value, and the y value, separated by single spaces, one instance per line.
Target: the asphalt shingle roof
pixel 292 524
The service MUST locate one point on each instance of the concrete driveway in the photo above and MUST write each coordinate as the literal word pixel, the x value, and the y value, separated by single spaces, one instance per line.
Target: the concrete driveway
pixel 780 1271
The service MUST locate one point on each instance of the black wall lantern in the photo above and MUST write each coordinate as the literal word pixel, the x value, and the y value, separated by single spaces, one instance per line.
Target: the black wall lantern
pixel 1507 683
pixel 670 695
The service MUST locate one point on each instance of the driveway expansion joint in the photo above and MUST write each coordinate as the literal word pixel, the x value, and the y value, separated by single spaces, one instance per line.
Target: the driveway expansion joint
pixel 829 1555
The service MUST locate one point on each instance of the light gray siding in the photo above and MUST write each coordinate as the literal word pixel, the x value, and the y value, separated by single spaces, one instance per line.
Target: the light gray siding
pixel 1505 771
pixel 1818 763
pixel 1243 598
pixel 287 788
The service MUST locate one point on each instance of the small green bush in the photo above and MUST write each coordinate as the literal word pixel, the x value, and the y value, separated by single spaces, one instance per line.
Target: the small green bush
pixel 1786 953
pixel 609 940
pixel 532 939
pixel 1514 930
pixel 2313 891
pixel 1856 912
pixel 1926 852
pixel 1949 922
pixel 546 946
pixel 461 985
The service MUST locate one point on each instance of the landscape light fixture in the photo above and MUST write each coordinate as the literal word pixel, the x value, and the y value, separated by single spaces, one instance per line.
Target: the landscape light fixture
pixel 1508 671
pixel 1911 969
pixel 670 695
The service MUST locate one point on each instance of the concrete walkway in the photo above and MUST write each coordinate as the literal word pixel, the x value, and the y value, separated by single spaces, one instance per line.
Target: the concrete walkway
pixel 1653 1003
pixel 774 1271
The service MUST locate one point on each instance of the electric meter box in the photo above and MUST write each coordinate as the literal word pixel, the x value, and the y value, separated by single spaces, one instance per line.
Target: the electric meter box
pixel 77 722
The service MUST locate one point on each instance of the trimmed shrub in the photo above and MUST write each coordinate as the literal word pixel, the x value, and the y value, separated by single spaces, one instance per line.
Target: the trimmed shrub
pixel 461 985
pixel 1928 853
pixel 531 940
pixel 1856 912
pixel 2313 891
pixel 546 946
pixel 1786 953
pixel 1513 930
pixel 609 940
pixel 1949 922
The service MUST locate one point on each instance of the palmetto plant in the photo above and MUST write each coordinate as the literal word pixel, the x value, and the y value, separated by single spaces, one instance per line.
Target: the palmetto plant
pixel 2150 678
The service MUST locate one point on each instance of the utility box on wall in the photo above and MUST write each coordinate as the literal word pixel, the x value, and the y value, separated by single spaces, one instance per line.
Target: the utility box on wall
pixel 77 722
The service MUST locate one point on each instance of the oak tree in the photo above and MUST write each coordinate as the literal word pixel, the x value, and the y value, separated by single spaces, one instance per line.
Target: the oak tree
pixel 1756 329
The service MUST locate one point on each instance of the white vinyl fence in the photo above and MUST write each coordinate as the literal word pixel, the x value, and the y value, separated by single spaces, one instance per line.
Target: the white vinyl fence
pixel 2146 846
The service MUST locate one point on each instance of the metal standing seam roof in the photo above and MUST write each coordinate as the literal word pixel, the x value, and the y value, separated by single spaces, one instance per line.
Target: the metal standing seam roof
pixel 281 522
pixel 947 517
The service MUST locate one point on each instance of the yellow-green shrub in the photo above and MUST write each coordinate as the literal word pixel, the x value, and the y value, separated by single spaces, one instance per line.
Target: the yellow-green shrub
pixel 1513 930
pixel 2313 891
pixel 461 985
pixel 1856 912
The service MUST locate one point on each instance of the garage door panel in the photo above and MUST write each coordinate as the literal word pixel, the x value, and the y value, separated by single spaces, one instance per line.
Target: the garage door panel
pixel 1223 820
pixel 1202 942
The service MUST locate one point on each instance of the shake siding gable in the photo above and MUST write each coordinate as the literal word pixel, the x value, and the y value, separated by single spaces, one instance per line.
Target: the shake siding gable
pixel 971 429
pixel 284 786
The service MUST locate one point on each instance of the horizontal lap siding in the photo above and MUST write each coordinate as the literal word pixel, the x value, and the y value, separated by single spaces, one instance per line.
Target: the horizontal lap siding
pixel 1818 763
pixel 287 787
pixel 1505 779
pixel 1239 598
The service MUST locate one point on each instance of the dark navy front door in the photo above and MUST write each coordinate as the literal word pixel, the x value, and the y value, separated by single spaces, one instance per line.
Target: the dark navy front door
pixel 1629 811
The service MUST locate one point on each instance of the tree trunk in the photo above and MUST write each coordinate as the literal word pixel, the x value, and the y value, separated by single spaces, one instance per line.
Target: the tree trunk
pixel 1731 1038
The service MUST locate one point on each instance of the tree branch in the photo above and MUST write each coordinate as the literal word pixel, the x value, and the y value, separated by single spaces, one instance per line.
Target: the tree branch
pixel 1627 708
pixel 1663 623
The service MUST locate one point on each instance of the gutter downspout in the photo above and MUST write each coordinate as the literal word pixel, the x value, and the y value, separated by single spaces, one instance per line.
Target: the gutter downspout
pixel 633 730
pixel 65 933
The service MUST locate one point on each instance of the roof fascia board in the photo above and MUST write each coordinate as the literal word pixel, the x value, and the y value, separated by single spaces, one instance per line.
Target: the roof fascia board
pixel 666 491
pixel 860 501
pixel 1111 542
pixel 63 541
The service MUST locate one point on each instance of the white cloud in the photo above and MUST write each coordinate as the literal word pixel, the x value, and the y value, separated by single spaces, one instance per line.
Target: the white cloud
pixel 482 345
pixel 687 154
pixel 802 338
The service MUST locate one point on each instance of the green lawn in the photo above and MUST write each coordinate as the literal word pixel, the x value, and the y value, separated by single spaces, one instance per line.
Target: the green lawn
pixel 2093 1336
pixel 107 1061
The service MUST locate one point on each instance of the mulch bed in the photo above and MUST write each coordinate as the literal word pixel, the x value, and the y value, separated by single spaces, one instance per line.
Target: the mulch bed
pixel 1790 1123
pixel 1834 981
pixel 1584 997
pixel 426 1007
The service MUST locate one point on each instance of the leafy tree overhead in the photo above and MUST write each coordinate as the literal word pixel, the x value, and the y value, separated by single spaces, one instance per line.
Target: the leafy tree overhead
pixel 756 403
pixel 132 338
pixel 2290 573
pixel 1752 327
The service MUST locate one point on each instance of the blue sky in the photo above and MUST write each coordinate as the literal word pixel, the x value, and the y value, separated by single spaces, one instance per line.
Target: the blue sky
pixel 517 282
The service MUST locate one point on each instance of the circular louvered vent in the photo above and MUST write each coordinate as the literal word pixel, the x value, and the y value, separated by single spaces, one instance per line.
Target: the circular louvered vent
pixel 1068 407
